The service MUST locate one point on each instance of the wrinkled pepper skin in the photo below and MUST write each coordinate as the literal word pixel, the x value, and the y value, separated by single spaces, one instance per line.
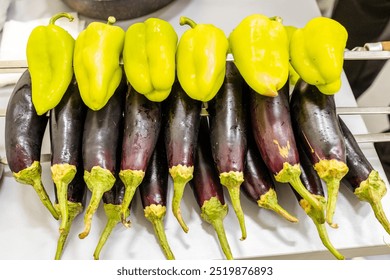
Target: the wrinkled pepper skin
pixel 149 58
pixel 317 53
pixel 49 53
pixel 201 60
pixel 259 45
pixel 97 52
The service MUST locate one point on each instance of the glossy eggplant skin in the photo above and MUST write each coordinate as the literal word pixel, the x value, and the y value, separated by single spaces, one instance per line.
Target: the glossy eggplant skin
pixel 142 126
pixel 206 183
pixel 272 129
pixel 228 123
pixel 182 118
pixel 316 123
pixel 154 187
pixel 24 129
pixel 358 164
pixel 66 127
pixel 101 134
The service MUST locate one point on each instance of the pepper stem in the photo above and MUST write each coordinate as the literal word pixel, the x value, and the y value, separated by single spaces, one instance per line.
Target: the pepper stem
pixel 269 201
pixel 181 175
pixel 291 174
pixel 74 210
pixel 232 181
pixel 188 21
pixel 114 216
pixel 317 218
pixel 213 212
pixel 155 213
pixel 54 18
pixel 98 181
pixel 62 175
pixel 111 20
pixel 32 176
pixel 131 179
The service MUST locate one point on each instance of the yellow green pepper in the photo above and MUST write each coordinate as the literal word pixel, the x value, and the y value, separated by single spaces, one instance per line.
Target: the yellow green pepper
pixel 97 54
pixel 293 75
pixel 49 53
pixel 317 53
pixel 201 60
pixel 149 58
pixel 259 45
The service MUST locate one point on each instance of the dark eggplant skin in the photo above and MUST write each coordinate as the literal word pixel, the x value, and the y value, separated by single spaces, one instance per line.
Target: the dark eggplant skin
pixel 142 125
pixel 181 116
pixel 228 129
pixel 362 179
pixel 24 129
pixel 258 185
pixel 153 192
pixel 66 127
pixel 101 142
pixel 207 188
pixel 24 132
pixel 317 128
pixel 272 129
pixel 228 122
pixel 314 116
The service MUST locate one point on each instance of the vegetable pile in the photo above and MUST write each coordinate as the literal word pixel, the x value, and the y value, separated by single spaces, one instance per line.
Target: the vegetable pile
pixel 128 109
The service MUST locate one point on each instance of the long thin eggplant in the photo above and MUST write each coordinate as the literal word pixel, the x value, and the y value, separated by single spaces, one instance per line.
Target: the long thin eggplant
pixel 317 127
pixel 142 125
pixel 181 119
pixel 66 135
pixel 362 179
pixel 274 137
pixel 24 131
pixel 153 192
pixel 258 185
pixel 112 203
pixel 313 184
pixel 75 201
pixel 228 125
pixel 101 138
pixel 207 188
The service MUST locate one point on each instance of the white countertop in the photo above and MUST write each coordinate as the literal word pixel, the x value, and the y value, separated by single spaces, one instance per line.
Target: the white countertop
pixel 27 231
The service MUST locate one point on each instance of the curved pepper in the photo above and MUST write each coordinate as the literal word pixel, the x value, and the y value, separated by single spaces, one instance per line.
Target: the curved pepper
pixel 201 60
pixel 259 45
pixel 97 52
pixel 317 53
pixel 149 58
pixel 49 53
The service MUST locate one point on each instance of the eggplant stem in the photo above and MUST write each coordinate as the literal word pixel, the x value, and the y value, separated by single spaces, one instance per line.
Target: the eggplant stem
pixel 155 213
pixel 232 181
pixel 317 218
pixel 269 201
pixel 114 216
pixel 98 181
pixel 213 212
pixel 62 175
pixel 333 187
pixel 291 174
pixel 131 179
pixel 380 215
pixel 32 176
pixel 74 210
pixel 181 175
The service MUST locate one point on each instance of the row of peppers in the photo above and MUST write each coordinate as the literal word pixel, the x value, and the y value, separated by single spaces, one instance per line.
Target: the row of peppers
pixel 265 52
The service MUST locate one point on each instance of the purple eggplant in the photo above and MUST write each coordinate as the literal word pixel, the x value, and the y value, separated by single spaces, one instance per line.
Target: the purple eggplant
pixel 24 131
pixel 317 127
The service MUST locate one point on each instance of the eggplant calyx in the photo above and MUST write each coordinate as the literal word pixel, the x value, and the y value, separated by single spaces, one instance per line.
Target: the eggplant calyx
pixel 155 213
pixel 213 212
pixel 269 200
pixel 131 179
pixel 32 176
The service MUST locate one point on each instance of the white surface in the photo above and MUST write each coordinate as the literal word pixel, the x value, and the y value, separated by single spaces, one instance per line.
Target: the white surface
pixel 27 231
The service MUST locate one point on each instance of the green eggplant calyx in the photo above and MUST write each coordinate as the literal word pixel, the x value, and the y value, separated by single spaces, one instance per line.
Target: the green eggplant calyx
pixel 269 200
